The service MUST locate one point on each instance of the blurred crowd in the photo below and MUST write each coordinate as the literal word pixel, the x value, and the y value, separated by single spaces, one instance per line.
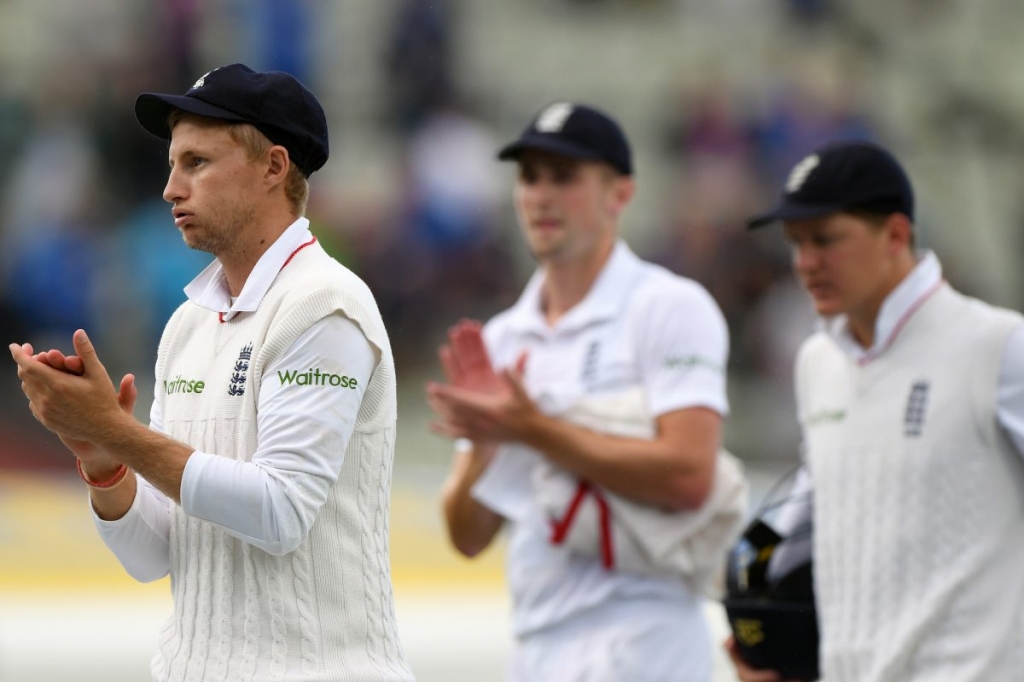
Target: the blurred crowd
pixel 86 239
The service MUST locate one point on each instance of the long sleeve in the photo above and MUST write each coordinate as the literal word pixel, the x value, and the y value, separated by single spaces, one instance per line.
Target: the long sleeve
pixel 273 500
pixel 1010 401
pixel 140 538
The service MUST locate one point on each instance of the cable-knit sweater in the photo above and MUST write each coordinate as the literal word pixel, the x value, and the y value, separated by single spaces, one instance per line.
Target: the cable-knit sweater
pixel 325 611
pixel 919 501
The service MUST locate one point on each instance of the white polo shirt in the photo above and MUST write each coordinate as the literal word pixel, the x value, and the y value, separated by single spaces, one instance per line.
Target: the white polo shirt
pixel 640 325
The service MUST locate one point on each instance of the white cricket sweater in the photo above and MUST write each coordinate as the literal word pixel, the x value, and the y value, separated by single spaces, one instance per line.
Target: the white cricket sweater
pixel 325 611
pixel 919 501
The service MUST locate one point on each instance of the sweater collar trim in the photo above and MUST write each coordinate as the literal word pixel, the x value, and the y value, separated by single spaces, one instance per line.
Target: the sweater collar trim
pixel 897 309
pixel 210 288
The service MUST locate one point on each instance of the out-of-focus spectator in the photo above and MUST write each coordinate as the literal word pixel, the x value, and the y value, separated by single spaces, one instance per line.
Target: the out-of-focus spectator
pixel 275 35
pixel 704 123
pixel 419 60
pixel 735 269
pixel 724 159
pixel 148 248
pixel 712 147
pixel 49 246
pixel 453 185
pixel 134 162
pixel 811 12
pixel 448 246
pixel 180 21
pixel 802 114
pixel 14 120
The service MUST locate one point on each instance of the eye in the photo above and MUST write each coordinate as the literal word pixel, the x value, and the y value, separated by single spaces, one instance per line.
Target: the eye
pixel 528 175
pixel 563 175
pixel 196 161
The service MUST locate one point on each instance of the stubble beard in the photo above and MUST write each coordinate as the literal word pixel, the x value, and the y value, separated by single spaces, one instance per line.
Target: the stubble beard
pixel 222 239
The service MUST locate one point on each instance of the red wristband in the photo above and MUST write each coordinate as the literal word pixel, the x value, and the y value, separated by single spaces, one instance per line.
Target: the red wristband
pixel 118 476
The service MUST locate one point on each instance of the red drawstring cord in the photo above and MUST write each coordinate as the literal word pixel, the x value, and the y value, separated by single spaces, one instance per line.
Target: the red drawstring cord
pixel 560 529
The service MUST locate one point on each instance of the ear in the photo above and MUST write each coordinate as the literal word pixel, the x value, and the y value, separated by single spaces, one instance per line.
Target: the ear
pixel 278 165
pixel 900 232
pixel 622 191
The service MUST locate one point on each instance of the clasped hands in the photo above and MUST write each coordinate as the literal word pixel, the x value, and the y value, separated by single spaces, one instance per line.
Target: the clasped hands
pixel 478 402
pixel 73 396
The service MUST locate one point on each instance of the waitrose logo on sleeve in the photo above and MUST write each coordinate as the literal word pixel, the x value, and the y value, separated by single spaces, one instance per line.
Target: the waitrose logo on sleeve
pixel 315 377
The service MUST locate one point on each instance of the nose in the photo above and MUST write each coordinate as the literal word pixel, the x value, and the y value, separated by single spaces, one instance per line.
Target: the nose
pixel 537 194
pixel 805 257
pixel 175 189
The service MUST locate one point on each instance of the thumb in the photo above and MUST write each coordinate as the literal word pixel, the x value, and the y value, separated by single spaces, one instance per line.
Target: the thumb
pixel 515 382
pixel 128 393
pixel 84 349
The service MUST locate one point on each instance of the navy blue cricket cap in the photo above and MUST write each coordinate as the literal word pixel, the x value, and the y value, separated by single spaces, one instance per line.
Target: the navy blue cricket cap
pixel 842 176
pixel 576 131
pixel 276 103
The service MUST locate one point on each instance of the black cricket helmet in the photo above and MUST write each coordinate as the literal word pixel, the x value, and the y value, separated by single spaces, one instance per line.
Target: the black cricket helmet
pixel 770 589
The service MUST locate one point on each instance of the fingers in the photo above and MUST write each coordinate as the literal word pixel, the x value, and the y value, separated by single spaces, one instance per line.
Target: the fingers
pixel 468 342
pixel 57 360
pixel 464 413
pixel 450 365
pixel 86 351
pixel 514 378
pixel 460 345
pixel 466 326
pixel 29 365
pixel 51 358
pixel 19 354
pixel 74 365
pixel 456 405
pixel 446 430
pixel 439 406
pixel 444 405
pixel 464 358
pixel 54 358
pixel 446 423
pixel 455 397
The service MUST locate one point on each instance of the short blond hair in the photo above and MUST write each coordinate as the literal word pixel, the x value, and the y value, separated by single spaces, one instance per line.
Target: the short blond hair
pixel 256 144
pixel 876 219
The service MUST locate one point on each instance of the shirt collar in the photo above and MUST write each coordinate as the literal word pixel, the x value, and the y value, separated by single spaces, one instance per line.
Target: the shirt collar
pixel 901 303
pixel 604 300
pixel 210 288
